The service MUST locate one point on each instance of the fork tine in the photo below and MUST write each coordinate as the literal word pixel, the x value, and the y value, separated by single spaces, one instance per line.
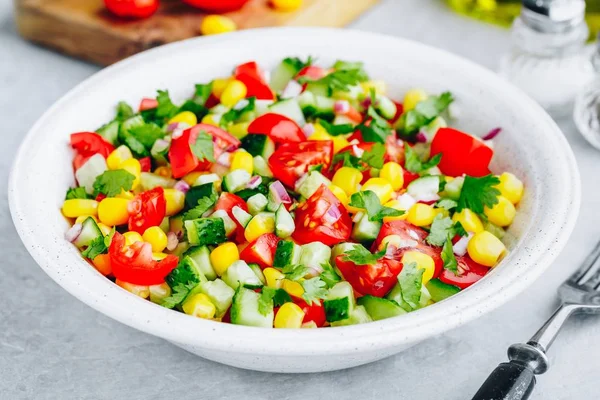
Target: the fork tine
pixel 589 268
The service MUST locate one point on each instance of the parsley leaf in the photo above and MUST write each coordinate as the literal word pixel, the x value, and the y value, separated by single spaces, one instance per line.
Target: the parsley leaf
pixel 295 272
pixel 441 228
pixel 369 201
pixel 203 147
pixel 478 193
pixel 446 204
pixel 359 255
pixel 297 63
pixel 374 156
pixel 348 160
pixel 413 162
pixel 137 148
pixel 234 114
pixel 147 134
pixel 124 111
pixel 410 280
pixel 347 65
pixel 178 294
pixel 204 204
pixel 336 130
pixel 270 298
pixel 76 193
pixel 98 246
pixel 314 290
pixel 166 108
pixel 112 182
pixel 377 130
pixel 424 112
pixel 202 94
pixel 448 256
pixel 340 80
pixel 329 275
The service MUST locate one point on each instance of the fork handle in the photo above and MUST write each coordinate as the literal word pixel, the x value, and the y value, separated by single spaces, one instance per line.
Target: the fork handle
pixel 509 381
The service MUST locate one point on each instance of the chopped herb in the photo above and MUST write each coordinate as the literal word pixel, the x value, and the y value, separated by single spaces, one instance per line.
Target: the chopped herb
pixel 147 134
pixel 76 193
pixel 202 94
pixel 374 156
pixel 336 130
pixel 348 160
pixel 329 276
pixel 424 112
pixel 124 111
pixel 112 182
pixel 411 280
pixel 297 63
pixel 414 164
pixel 441 228
pixel 340 80
pixel 203 147
pixel 204 204
pixel 446 204
pixel 348 65
pixel 234 114
pixel 270 298
pixel 178 294
pixel 315 289
pixel 295 272
pixel 448 256
pixel 359 255
pixel 166 108
pixel 377 129
pixel 478 193
pixel 369 201
pixel 98 246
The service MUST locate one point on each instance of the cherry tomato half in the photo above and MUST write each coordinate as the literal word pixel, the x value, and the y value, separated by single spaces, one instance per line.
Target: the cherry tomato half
pixel 217 6
pixel 469 272
pixel 314 312
pixel 374 279
pixel 279 128
pixel 226 203
pixel 253 77
pixel 89 143
pixel 461 153
pixel 132 8
pixel 261 251
pixel 147 209
pixel 148 104
pixel 292 160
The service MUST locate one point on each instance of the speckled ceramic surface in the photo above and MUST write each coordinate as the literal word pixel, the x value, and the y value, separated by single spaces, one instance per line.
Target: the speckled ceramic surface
pixel 531 146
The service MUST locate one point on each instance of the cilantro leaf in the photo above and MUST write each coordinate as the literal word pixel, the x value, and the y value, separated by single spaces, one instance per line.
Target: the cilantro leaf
pixel 124 111
pixel 448 256
pixel 410 280
pixel 197 109
pixel 314 290
pixel 348 160
pixel 374 156
pixel 98 246
pixel 377 129
pixel 478 193
pixel 359 255
pixel 424 112
pixel 270 298
pixel 76 193
pixel 318 168
pixel 147 134
pixel 297 63
pixel 446 204
pixel 414 164
pixel 112 182
pixel 369 201
pixel 136 147
pixel 295 272
pixel 178 294
pixel 166 108
pixel 235 113
pixel 204 204
pixel 441 228
pixel 340 80
pixel 336 130
pixel 203 147
pixel 459 229
pixel 329 275
pixel 202 94
pixel 347 65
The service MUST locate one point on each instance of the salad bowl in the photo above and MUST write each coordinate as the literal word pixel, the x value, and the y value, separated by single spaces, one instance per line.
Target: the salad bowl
pixel 530 145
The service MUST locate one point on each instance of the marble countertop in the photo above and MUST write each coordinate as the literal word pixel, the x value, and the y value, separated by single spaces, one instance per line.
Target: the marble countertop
pixel 54 347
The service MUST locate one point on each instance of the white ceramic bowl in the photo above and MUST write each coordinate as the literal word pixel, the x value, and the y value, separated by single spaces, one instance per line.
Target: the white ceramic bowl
pixel 531 146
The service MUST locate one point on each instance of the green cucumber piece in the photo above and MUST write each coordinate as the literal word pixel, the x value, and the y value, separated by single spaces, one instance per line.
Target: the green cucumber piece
pixel 240 273
pixel 261 167
pixel 289 108
pixel 258 144
pixel 379 308
pixel 286 253
pixel 195 193
pixel 219 293
pixel 203 231
pixel 440 290
pixel 89 232
pixel 284 223
pixel 110 132
pixel 200 257
pixel 236 180
pixel 245 310
pixel 86 174
pixel 339 302
pixel 149 181
pixel 241 216
pixel 453 188
pixel 257 203
pixel 314 255
pixel 358 316
pixel 282 75
pixel 365 230
pixel 309 183
pixel 228 223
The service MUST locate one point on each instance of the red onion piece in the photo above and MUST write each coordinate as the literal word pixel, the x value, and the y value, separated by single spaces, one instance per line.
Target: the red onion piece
pixel 366 102
pixel 358 152
pixel 254 182
pixel 224 159
pixel 73 233
pixel 390 251
pixel 182 186
pixel 280 195
pixel 177 133
pixel 332 215
pixel 172 241
pixel 341 107
pixel 492 134
pixel 420 137
pixel 172 126
pixel 308 130
pixel 134 206
pixel 161 144
pixel 292 89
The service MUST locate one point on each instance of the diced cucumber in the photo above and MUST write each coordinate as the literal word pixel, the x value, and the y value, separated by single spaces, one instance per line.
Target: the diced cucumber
pixel 257 203
pixel 89 171
pixel 324 105
pixel 133 122
pixel 284 223
pixel 440 290
pixel 289 108
pixel 110 131
pixel 258 272
pixel 494 229
pixel 181 248
pixel 182 272
pixel 207 178
pixel 89 232
pixel 316 106
pixel 318 89
pixel 228 223
pixel 353 93
pixel 286 253
pixel 200 257
pixel 315 254
pixel 339 302
pixel 343 120
pixel 453 188
pixel 261 167
pixel 240 273
pixel 396 295
pixel 204 231
pixel 358 316
pixel 195 193
pixel 245 310
pixel 431 129
pixel 386 107
pixel 262 106
pixel 219 293
pixel 365 230
pixel 258 144
pixel 341 248
pixel 241 216
pixel 425 188
pixel 379 308
pixel 307 103
pixel 236 180
pixel 219 109
pixel 165 226
pixel 282 74
pixel 310 183
pixel 149 181
pixel 160 150
pixel 158 293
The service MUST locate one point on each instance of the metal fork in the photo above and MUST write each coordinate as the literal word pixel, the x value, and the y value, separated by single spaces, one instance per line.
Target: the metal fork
pixel 515 380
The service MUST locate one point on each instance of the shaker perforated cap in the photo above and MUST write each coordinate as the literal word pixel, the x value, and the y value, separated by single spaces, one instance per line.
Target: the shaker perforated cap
pixel 553 16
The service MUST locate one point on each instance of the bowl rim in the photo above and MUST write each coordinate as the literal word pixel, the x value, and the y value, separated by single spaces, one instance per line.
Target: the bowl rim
pixel 177 327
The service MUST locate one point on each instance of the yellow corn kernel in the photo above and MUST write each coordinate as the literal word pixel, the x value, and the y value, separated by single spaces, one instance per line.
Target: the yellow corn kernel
pixel 510 187
pixel 347 179
pixel 382 188
pixel 105 229
pixel 156 237
pixel 289 316
pixel 210 119
pixel 164 171
pixel 309 325
pixel 339 142
pixel 159 256
pixel 339 193
pixel 421 214
pixel 286 5
pixel 392 172
pixel 186 117
pixel 215 24
pixel 239 130
pixel 199 305
pixel 393 240
pixel 234 92
pixel 469 220
pixel 117 156
pixel 273 277
pixel 82 218
pixel 192 177
pixel 396 205
pixel 501 214
pixel 125 195
pixel 74 208
pixel 486 249
pixel 139 290
pixel 134 168
pixel 258 226
pixel 423 261
pixel 159 292
pixel 412 98
pixel 175 200
pixel 131 237
pixel 223 256
pixel 242 160
pixel 293 288
pixel 218 85
pixel 379 86
pixel 113 211
pixel 102 264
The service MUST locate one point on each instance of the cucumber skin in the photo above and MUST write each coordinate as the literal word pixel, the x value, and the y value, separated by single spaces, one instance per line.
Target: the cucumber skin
pixel 440 291
pixel 379 308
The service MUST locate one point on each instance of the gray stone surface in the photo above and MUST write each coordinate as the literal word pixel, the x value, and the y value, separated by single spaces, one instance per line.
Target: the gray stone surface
pixel 54 347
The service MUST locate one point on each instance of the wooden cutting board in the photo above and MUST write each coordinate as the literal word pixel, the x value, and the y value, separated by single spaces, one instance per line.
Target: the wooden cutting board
pixel 84 29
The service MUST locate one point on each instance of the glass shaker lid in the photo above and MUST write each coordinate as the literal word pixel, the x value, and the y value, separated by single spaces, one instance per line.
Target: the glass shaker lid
pixel 553 16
